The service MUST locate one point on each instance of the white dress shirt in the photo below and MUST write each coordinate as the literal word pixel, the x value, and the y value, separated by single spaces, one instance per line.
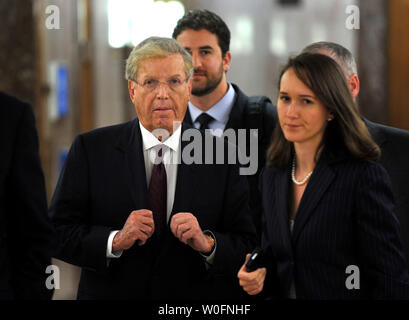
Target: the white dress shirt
pixel 220 112
pixel 170 154
pixel 170 159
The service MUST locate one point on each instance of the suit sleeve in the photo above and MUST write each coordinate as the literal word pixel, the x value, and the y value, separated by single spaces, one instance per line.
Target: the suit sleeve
pixel 31 233
pixel 80 242
pixel 385 268
pixel 270 287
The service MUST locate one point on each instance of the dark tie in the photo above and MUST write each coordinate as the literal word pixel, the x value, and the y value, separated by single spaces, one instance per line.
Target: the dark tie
pixel 204 119
pixel 158 194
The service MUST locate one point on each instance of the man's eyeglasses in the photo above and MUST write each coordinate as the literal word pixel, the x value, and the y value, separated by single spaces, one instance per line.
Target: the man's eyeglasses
pixel 152 84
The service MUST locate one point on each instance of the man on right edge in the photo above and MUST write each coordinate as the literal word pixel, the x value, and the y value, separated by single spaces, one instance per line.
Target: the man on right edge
pixel 217 104
pixel 394 143
pixel 26 233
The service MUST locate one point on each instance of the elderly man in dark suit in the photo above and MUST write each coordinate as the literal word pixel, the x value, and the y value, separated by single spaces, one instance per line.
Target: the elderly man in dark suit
pixel 394 143
pixel 25 230
pixel 141 225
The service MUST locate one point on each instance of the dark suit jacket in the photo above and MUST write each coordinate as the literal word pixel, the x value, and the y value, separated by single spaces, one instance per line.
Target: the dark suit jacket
pixel 345 217
pixel 104 180
pixel 238 120
pixel 394 144
pixel 25 231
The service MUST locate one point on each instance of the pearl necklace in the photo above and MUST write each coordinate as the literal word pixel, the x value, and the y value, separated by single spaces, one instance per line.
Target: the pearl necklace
pixel 299 183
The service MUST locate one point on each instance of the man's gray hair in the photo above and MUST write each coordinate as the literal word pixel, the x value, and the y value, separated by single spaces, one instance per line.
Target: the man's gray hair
pixel 156 47
pixel 339 53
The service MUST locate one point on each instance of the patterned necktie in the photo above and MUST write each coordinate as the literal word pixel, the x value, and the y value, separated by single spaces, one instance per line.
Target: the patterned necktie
pixel 204 119
pixel 158 194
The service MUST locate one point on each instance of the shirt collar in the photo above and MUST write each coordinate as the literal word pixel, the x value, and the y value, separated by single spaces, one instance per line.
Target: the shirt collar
pixel 220 111
pixel 150 141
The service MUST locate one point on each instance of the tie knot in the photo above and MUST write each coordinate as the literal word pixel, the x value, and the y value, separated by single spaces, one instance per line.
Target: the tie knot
pixel 204 119
pixel 157 155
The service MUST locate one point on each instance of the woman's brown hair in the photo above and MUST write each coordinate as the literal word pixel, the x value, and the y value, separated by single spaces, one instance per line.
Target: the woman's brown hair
pixel 346 133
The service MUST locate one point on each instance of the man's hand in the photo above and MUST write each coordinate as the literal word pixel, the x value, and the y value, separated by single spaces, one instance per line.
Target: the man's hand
pixel 139 226
pixel 251 282
pixel 186 228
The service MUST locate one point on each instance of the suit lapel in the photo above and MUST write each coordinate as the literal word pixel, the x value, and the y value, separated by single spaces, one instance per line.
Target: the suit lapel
pixel 131 144
pixel 185 186
pixel 188 117
pixel 279 192
pixel 320 180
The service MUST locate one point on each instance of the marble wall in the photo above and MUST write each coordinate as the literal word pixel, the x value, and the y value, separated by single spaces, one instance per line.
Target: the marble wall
pixel 17 49
pixel 372 60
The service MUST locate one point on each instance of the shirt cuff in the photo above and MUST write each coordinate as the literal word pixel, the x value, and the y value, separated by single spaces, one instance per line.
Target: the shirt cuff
pixel 110 254
pixel 210 258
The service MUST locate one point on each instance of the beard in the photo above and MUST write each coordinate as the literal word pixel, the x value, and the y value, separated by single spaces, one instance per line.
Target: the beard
pixel 211 83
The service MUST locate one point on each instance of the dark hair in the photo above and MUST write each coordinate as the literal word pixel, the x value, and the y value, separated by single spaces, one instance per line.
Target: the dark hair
pixel 205 19
pixel 346 134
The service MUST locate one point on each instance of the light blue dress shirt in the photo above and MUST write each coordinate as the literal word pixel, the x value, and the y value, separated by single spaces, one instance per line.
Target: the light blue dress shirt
pixel 220 112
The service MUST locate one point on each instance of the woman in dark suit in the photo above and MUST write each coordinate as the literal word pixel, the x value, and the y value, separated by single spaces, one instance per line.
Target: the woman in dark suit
pixel 330 231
